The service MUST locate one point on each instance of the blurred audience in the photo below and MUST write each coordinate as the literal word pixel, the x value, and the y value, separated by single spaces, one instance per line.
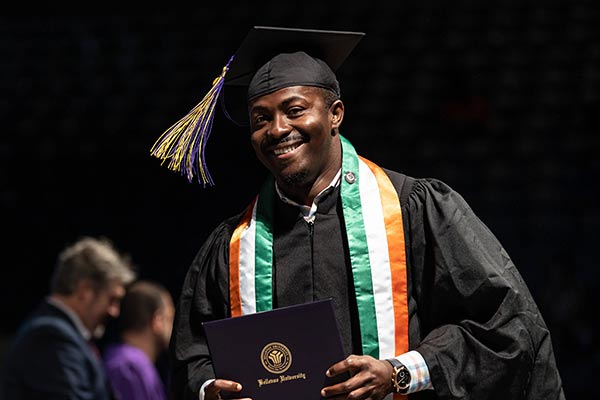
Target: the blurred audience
pixel 53 355
pixel 144 327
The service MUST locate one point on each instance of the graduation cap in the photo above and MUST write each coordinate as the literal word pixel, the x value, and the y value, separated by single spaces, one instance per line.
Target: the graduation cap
pixel 268 59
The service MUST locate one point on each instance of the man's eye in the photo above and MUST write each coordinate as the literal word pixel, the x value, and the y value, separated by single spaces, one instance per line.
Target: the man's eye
pixel 295 110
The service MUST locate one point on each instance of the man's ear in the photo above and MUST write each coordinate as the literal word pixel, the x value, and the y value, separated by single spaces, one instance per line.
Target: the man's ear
pixel 336 112
pixel 84 290
pixel 157 321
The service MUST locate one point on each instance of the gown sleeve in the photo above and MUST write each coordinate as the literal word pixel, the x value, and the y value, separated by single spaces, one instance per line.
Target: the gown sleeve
pixel 482 335
pixel 204 297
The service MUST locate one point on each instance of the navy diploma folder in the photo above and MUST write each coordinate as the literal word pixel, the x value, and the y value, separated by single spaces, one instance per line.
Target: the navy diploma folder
pixel 277 354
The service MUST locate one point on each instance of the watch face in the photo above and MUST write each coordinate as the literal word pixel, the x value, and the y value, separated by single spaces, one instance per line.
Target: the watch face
pixel 401 379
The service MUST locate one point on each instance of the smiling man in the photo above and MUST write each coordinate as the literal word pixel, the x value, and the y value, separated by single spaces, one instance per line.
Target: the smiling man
pixel 427 301
pixel 291 135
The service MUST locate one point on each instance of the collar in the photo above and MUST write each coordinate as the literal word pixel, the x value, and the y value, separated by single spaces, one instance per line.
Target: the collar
pixel 309 213
pixel 72 316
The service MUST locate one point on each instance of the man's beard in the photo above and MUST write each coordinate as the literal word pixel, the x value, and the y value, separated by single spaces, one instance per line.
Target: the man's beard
pixel 296 179
pixel 99 331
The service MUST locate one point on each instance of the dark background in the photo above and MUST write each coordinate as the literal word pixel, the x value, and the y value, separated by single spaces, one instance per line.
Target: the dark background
pixel 499 99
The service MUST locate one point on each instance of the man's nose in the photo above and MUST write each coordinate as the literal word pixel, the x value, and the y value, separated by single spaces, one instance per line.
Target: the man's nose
pixel 279 126
pixel 114 310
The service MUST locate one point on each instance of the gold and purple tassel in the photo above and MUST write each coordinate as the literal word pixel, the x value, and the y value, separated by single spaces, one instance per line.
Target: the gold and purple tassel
pixel 182 142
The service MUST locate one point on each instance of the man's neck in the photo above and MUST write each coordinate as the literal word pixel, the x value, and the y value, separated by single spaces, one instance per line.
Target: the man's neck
pixel 71 307
pixel 300 195
pixel 144 340
pixel 305 194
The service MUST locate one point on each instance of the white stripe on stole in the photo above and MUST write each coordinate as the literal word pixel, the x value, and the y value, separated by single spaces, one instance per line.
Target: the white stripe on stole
pixel 380 261
pixel 247 266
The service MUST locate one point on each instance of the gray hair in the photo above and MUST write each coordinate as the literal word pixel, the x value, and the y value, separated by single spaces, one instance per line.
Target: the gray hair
pixel 92 259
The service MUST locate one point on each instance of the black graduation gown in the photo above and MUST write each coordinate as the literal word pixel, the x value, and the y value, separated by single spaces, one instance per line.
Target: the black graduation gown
pixel 471 315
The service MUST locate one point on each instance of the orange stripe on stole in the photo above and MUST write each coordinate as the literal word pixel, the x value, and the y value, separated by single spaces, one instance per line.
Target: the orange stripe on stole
pixel 235 296
pixel 392 215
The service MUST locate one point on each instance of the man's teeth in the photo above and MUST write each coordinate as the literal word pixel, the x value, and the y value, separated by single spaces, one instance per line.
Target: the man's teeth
pixel 284 150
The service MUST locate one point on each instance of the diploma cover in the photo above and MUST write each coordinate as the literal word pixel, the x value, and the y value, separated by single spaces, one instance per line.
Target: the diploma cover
pixel 277 354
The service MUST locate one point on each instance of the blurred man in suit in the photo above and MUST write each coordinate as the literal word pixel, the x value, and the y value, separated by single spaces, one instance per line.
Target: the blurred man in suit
pixel 53 356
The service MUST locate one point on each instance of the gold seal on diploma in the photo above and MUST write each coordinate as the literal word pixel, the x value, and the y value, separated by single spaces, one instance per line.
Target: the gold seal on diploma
pixel 276 357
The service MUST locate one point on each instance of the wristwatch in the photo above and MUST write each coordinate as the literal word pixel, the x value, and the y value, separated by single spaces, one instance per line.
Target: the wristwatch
pixel 400 376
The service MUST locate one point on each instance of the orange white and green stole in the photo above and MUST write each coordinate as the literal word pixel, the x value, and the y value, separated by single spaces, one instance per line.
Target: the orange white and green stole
pixel 373 220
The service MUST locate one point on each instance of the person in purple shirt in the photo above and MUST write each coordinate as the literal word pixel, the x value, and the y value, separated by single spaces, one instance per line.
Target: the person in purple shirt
pixel 145 326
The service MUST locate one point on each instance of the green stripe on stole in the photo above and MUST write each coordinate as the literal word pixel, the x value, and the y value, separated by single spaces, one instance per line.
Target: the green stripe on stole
pixel 263 257
pixel 359 251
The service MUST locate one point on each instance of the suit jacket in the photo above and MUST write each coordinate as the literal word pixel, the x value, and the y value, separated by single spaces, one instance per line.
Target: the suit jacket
pixel 50 359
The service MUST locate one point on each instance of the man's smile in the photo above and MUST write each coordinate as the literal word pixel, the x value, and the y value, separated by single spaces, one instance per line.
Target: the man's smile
pixel 287 144
pixel 286 149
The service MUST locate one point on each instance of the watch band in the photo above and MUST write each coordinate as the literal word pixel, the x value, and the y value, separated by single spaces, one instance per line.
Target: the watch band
pixel 400 376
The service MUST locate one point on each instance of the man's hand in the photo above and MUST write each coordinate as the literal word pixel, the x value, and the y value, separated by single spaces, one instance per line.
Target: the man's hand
pixel 213 390
pixel 370 379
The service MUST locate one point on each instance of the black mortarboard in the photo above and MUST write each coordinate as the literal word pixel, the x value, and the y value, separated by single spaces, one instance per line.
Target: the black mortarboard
pixel 268 59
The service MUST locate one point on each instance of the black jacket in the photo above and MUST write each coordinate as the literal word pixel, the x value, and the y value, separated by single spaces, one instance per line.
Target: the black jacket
pixel 50 359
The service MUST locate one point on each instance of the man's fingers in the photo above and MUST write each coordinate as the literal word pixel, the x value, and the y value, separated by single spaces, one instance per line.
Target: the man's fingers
pixel 218 385
pixel 351 362
pixel 224 384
